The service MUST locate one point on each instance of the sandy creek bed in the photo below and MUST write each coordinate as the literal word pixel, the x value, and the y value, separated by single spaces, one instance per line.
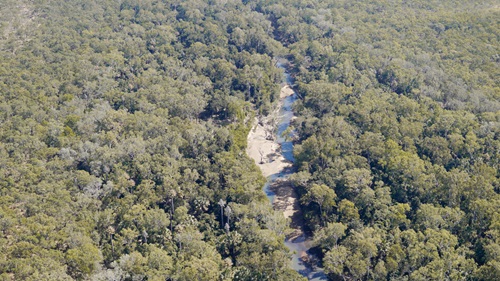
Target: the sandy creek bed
pixel 273 154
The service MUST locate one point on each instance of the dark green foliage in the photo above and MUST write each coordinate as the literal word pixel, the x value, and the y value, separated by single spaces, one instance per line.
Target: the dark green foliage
pixel 123 125
pixel 398 115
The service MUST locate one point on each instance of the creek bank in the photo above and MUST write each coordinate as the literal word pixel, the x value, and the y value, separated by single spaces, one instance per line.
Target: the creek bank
pixel 261 144
pixel 273 154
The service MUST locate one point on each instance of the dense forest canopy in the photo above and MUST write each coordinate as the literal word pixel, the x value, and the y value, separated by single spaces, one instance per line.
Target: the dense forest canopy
pixel 123 126
pixel 399 116
pixel 122 129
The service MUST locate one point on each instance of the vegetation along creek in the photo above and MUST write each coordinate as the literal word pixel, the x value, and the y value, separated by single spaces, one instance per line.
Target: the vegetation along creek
pixel 270 145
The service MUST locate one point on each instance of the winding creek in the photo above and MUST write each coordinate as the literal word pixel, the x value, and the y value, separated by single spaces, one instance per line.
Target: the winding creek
pixel 279 191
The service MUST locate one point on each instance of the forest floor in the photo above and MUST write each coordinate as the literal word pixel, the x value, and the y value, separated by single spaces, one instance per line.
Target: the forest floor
pixel 263 148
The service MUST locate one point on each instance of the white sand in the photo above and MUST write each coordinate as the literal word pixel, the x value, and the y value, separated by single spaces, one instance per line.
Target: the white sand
pixel 286 91
pixel 263 149
pixel 265 152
